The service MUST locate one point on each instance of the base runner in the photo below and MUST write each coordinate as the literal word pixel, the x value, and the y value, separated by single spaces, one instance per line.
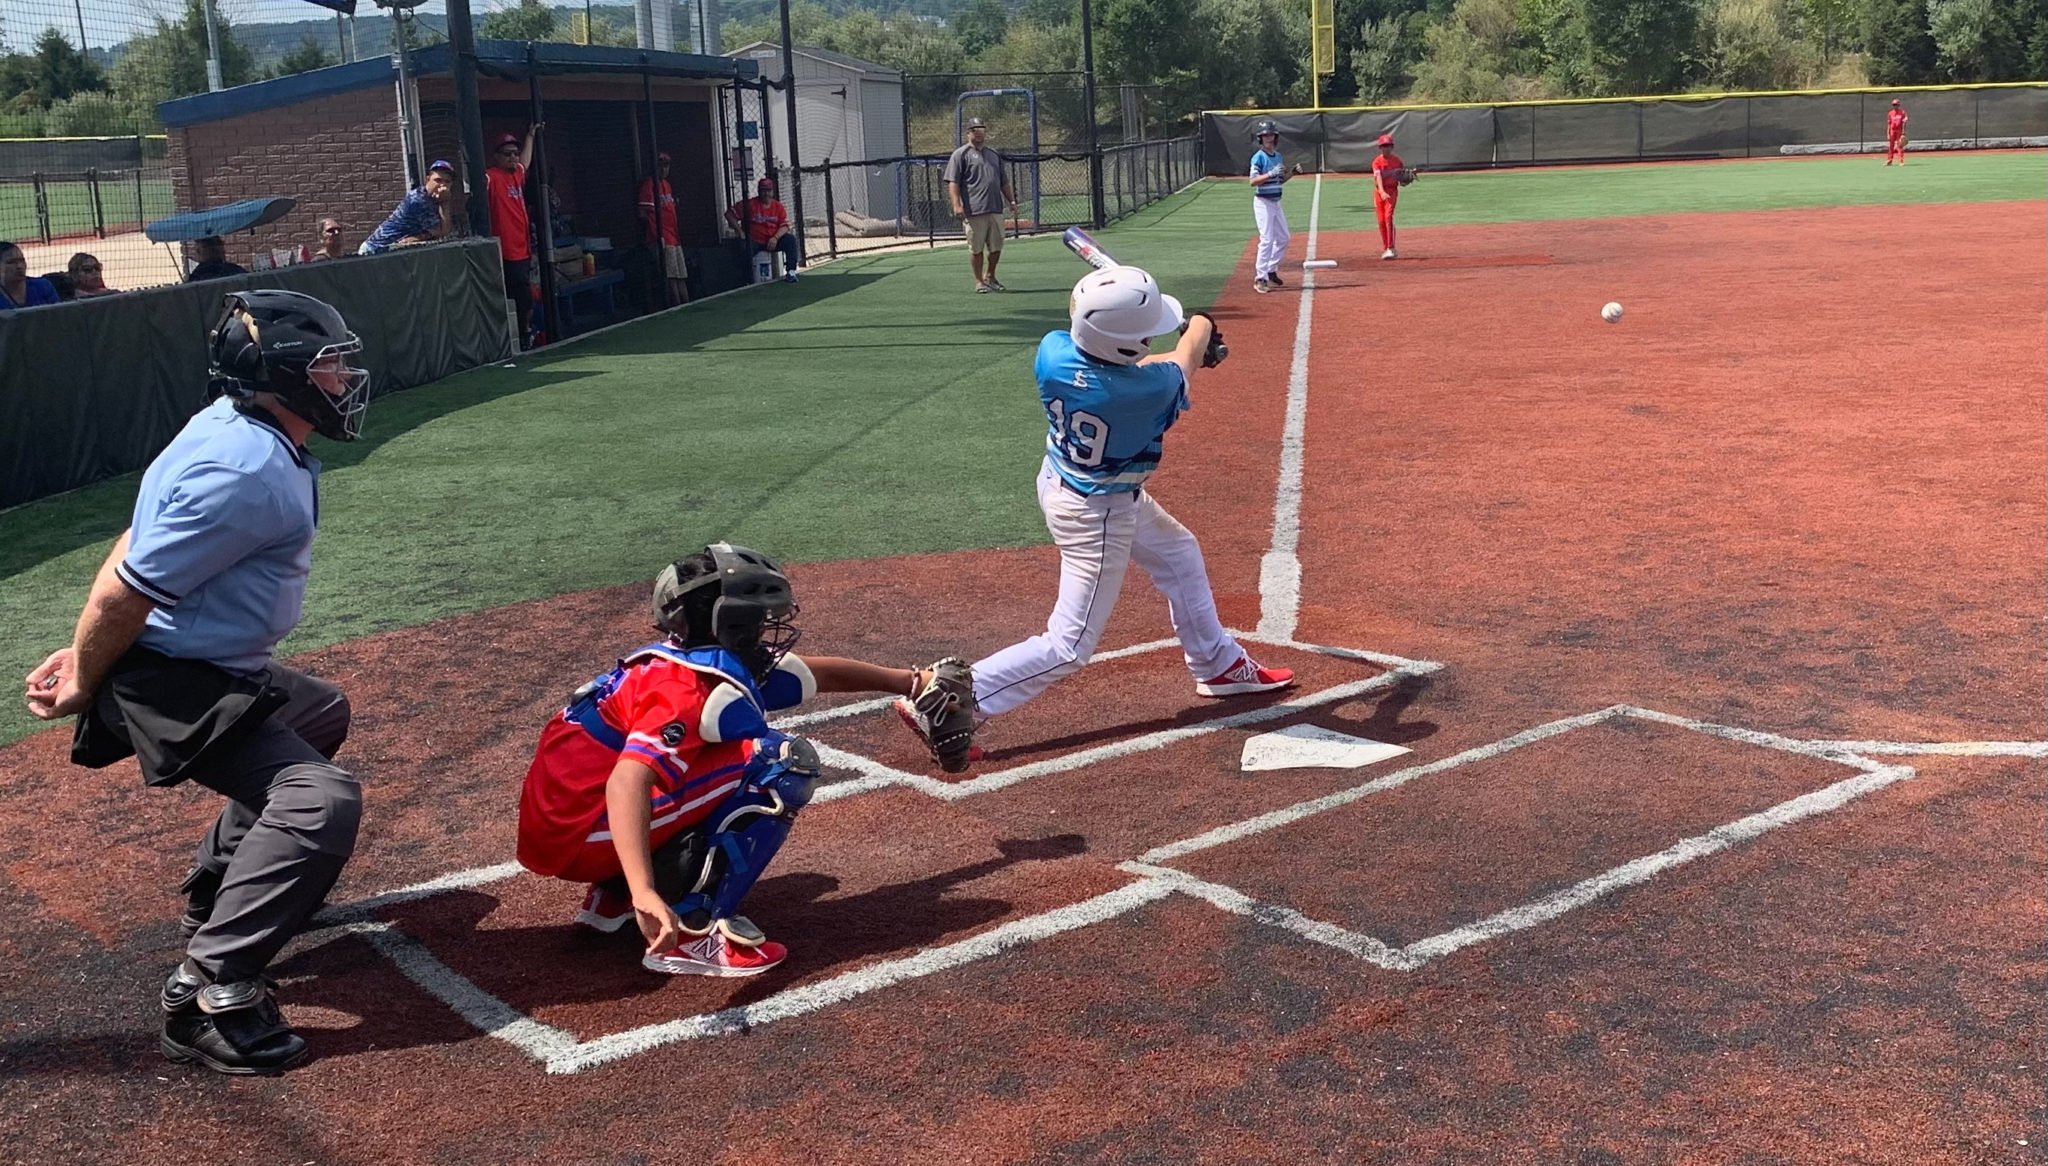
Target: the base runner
pixel 1109 405
pixel 1269 178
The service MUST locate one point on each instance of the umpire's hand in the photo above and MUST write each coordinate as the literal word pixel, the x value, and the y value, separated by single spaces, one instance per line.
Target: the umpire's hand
pixel 53 691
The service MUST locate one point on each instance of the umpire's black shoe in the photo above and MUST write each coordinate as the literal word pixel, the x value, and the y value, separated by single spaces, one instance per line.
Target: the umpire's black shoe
pixel 230 1028
pixel 200 888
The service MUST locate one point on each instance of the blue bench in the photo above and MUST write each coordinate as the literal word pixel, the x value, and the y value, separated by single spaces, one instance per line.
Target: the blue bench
pixel 566 294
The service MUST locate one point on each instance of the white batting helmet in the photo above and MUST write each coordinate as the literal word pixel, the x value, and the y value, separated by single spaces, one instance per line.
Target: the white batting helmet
pixel 1115 311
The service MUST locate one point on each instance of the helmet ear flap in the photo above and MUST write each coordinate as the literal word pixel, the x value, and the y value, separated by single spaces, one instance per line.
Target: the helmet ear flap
pixel 236 351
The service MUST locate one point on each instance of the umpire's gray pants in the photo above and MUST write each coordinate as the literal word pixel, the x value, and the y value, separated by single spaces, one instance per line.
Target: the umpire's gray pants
pixel 287 830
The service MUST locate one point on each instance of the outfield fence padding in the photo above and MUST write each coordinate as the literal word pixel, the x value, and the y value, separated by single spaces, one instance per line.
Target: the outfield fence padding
pixel 97 388
pixel 1735 125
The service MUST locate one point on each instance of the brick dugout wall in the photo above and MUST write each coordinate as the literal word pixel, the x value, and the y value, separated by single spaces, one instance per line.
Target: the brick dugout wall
pixel 339 155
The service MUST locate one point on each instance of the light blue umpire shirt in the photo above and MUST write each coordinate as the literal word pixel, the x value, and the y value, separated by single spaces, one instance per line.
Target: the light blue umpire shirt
pixel 222 538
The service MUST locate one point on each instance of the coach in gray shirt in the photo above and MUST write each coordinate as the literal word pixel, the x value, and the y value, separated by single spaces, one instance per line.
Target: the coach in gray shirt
pixel 980 190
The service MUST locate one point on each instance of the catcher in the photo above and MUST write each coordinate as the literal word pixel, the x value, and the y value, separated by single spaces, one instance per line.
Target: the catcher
pixel 661 784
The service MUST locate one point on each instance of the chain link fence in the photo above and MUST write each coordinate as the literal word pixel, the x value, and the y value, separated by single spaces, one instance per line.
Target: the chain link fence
pixel 63 198
pixel 1738 125
pixel 888 202
pixel 1028 112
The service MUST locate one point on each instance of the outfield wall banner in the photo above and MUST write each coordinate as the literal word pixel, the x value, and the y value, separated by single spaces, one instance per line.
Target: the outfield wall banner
pixel 95 388
pixel 1734 125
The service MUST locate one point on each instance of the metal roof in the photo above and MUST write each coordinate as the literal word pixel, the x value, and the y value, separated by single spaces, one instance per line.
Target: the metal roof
pixel 883 72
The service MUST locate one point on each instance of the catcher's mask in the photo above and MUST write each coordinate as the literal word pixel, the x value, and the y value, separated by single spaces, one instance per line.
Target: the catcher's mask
pixel 296 347
pixel 735 597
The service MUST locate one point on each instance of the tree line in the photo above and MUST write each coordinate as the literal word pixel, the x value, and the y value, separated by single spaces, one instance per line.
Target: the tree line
pixel 1191 54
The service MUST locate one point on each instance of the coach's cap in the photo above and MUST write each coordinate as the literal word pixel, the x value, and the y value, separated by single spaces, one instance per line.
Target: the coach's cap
pixel 1386 139
pixel 975 123
pixel 443 165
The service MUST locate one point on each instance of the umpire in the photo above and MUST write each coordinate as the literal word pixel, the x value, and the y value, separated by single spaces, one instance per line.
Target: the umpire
pixel 171 663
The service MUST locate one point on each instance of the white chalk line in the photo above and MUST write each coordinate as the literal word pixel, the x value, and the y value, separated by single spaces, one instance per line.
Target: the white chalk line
pixel 1280 568
pixel 1236 902
pixel 485 1012
pixel 846 986
pixel 1287 815
pixel 1642 869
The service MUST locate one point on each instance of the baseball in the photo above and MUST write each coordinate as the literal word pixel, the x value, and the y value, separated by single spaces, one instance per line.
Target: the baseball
pixel 1611 313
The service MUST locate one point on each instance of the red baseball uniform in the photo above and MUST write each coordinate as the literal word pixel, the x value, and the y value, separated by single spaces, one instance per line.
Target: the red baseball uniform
pixel 1895 135
pixel 668 210
pixel 507 190
pixel 1386 191
pixel 690 715
pixel 763 217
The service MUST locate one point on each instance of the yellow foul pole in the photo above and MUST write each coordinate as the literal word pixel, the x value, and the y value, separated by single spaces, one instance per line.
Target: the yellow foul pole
pixel 1322 34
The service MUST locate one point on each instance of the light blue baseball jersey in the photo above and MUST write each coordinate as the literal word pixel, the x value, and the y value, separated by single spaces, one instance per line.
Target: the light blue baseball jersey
pixel 1107 422
pixel 222 538
pixel 1264 163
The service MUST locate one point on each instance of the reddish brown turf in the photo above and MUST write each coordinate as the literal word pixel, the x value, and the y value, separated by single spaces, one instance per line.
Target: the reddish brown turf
pixel 1798 489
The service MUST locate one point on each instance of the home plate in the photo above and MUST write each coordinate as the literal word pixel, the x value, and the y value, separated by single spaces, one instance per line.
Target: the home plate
pixel 1309 747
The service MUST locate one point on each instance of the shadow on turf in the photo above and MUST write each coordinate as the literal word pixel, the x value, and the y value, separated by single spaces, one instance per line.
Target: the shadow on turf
pixel 533 969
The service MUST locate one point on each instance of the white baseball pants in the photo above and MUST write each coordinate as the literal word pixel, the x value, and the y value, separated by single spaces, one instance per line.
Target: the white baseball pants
pixel 1273 234
pixel 1099 536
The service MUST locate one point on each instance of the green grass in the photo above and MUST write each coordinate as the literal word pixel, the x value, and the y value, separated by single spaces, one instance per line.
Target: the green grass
pixel 1763 184
pixel 70 206
pixel 878 407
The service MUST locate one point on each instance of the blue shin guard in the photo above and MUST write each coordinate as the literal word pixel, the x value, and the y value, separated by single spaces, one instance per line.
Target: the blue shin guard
pixel 746 830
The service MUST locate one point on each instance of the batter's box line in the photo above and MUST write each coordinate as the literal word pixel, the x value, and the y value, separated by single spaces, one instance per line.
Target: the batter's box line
pixel 1872 776
pixel 560 1052
pixel 873 775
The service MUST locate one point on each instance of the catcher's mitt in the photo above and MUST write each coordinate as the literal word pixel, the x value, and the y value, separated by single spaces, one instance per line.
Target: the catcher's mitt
pixel 1217 350
pixel 943 712
pixel 1404 176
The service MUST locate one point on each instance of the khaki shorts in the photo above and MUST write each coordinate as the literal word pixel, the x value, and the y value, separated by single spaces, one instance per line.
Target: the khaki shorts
pixel 984 233
pixel 672 265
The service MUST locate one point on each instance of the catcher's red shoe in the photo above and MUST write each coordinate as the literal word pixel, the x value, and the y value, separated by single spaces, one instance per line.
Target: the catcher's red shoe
pixel 716 955
pixel 1245 676
pixel 907 712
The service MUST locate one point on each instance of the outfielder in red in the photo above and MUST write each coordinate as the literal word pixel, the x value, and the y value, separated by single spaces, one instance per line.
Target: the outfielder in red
pixel 661 783
pixel 1386 191
pixel 1895 134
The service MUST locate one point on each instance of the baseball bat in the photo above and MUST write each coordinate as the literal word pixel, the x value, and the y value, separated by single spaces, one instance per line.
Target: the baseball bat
pixel 1084 245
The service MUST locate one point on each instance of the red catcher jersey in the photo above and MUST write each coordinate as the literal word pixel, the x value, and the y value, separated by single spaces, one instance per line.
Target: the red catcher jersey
pixel 692 715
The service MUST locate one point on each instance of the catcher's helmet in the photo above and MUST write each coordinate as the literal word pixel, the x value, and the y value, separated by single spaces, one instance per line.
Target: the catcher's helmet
pixel 296 347
pixel 1264 129
pixel 1115 311
pixel 732 596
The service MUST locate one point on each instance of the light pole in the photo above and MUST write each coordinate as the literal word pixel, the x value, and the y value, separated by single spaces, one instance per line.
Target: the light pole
pixel 1096 213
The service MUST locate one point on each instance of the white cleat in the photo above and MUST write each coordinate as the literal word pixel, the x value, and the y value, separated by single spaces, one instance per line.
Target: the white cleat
pixel 1389 254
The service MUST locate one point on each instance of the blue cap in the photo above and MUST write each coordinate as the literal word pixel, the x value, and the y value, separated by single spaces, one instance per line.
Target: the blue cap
pixel 441 164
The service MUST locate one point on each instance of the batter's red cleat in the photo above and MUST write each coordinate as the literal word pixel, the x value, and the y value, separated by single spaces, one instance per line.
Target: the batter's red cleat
pixel 716 955
pixel 605 909
pixel 1246 676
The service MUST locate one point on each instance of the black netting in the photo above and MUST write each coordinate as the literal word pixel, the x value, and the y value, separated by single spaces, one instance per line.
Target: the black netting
pixel 1712 127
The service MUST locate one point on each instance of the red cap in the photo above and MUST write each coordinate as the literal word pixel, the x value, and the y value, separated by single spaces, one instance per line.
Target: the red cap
pixel 1895 101
pixel 506 140
pixel 662 157
pixel 1386 139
